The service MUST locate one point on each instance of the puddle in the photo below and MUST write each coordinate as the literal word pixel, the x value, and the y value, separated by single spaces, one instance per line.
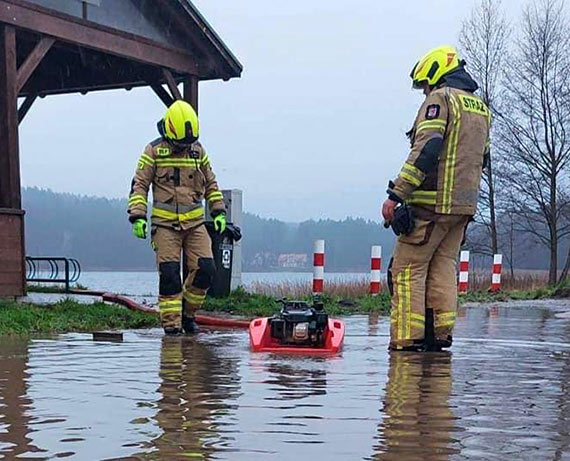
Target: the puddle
pixel 502 392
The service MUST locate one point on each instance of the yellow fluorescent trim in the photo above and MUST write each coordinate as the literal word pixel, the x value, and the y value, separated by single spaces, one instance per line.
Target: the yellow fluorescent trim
pixel 433 123
pixel 424 193
pixel 189 294
pixel 445 315
pixel 194 214
pixel 170 310
pixel 143 162
pixel 174 302
pixel 411 179
pixel 418 317
pixel 400 314
pixel 449 168
pixel 408 285
pixel 448 323
pixel 419 201
pixel 137 202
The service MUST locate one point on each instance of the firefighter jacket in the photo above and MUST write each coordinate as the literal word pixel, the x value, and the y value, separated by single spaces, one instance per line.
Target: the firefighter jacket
pixel 180 182
pixel 450 139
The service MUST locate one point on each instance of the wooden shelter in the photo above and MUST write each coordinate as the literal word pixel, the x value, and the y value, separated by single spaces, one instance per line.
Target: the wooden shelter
pixel 50 47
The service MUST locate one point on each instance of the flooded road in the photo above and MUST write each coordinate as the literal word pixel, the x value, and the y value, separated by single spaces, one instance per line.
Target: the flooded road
pixel 502 393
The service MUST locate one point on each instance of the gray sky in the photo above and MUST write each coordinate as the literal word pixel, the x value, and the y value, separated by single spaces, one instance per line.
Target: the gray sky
pixel 313 129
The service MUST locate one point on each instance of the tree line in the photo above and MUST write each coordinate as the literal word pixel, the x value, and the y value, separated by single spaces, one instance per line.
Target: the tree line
pixel 96 232
pixel 523 69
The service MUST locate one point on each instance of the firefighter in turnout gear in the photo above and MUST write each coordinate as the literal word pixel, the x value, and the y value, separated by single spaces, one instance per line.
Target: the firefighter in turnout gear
pixel 180 173
pixel 433 199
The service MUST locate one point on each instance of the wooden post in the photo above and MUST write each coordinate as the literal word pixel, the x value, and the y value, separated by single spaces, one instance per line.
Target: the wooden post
pixel 10 196
pixel 191 91
pixel 12 248
pixel 191 96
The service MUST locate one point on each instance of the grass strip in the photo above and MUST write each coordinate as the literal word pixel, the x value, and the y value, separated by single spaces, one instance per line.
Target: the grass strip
pixel 69 316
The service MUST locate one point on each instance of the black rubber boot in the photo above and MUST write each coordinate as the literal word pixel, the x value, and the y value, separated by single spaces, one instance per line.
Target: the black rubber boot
pixel 190 326
pixel 418 346
pixel 172 331
pixel 443 343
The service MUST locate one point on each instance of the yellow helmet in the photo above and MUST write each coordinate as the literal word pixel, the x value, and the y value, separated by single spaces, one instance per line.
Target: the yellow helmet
pixel 180 123
pixel 434 65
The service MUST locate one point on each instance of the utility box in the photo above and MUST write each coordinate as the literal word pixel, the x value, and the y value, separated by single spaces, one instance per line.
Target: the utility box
pixel 226 246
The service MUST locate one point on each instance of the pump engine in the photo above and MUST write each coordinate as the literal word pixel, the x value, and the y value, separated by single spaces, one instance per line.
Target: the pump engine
pixel 299 323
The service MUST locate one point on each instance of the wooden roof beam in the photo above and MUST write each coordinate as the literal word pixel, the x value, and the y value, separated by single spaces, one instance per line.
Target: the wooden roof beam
pixel 32 61
pixel 171 83
pixel 97 37
pixel 25 106
pixel 162 94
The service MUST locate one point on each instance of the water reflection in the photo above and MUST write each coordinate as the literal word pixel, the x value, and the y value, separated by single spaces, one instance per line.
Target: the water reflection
pixel 197 388
pixel 289 382
pixel 418 422
pixel 14 416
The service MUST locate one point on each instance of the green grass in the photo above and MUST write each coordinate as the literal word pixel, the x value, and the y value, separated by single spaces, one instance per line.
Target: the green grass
pixel 240 302
pixel 67 315
pixel 57 288
pixel 557 291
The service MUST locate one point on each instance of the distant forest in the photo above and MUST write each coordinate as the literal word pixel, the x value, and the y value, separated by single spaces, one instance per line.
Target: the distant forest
pixel 96 232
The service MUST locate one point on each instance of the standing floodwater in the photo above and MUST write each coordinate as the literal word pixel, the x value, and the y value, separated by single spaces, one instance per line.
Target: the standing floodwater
pixel 502 393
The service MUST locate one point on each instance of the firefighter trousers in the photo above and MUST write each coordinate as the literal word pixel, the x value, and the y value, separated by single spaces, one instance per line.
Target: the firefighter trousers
pixel 423 275
pixel 177 299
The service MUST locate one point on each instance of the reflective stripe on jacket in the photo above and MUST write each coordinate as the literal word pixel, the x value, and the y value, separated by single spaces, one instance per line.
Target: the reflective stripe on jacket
pixel 449 182
pixel 180 183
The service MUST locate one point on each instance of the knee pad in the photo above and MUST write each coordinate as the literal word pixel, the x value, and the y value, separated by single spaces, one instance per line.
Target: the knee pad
pixel 170 283
pixel 206 273
pixel 389 280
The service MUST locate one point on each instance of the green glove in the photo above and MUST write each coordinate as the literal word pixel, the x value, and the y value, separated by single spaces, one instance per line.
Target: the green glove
pixel 220 223
pixel 140 228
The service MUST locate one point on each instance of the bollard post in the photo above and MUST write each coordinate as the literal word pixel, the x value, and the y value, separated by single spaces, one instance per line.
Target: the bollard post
pixel 375 266
pixel 318 267
pixel 463 271
pixel 497 266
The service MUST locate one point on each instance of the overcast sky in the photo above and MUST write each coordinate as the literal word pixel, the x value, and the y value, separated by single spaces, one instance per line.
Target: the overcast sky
pixel 313 129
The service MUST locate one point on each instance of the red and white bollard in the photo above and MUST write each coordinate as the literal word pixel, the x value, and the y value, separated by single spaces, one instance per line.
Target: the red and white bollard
pixel 497 266
pixel 318 267
pixel 375 266
pixel 463 271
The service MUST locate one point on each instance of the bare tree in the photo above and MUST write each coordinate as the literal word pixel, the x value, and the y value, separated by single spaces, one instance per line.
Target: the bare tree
pixel 483 41
pixel 533 125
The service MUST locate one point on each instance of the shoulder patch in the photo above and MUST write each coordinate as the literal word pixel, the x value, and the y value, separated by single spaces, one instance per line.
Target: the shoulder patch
pixel 432 111
pixel 163 151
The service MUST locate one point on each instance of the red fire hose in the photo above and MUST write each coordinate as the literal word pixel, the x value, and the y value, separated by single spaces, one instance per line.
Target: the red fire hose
pixel 205 320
